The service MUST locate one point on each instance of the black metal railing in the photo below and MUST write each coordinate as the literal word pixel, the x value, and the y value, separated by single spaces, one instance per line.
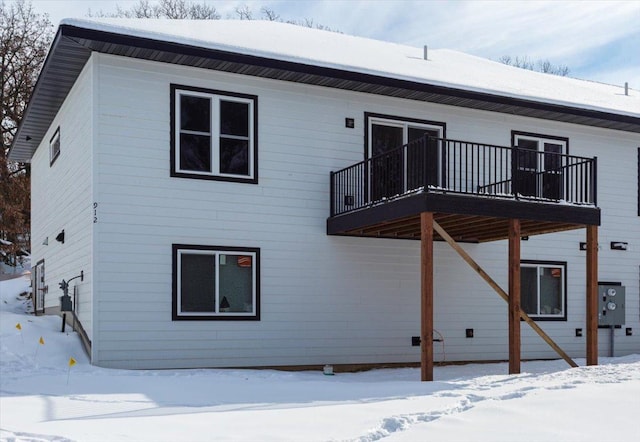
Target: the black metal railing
pixel 453 166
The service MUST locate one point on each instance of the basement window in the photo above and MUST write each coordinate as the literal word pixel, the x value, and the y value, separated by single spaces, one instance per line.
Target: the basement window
pixel 54 147
pixel 211 282
pixel 213 135
pixel 543 289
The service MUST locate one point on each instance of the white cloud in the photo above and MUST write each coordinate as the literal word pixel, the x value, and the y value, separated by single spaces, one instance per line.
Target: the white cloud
pixel 578 34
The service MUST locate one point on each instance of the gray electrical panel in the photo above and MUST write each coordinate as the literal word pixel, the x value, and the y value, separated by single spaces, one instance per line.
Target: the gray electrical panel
pixel 611 300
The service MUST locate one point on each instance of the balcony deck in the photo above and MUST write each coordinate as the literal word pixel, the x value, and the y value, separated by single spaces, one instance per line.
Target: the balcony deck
pixel 472 189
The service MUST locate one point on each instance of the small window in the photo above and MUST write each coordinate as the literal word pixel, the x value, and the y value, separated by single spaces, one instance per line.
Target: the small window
pixel 215 282
pixel 54 147
pixel 213 135
pixel 543 289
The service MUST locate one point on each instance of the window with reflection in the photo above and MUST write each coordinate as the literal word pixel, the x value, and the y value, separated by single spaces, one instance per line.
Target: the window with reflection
pixel 213 135
pixel 215 282
pixel 542 289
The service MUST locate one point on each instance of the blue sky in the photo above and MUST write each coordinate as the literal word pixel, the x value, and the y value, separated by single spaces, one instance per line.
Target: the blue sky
pixel 598 40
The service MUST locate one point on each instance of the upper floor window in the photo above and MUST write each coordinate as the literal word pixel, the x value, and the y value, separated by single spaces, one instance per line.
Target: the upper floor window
pixel 213 135
pixel 54 146
pixel 543 289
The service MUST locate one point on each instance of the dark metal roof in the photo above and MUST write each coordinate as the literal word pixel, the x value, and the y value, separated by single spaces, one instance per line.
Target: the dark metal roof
pixel 73 45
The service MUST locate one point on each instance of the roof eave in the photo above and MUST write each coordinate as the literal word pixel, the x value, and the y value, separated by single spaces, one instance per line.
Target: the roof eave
pixel 73 45
pixel 59 72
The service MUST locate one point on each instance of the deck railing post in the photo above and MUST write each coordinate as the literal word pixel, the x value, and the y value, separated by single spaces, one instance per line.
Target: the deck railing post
pixel 425 163
pixel 515 181
pixel 594 181
pixel 367 182
pixel 403 168
pixel 332 193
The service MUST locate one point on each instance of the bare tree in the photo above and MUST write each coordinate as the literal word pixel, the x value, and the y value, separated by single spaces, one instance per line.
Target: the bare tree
pixel 539 65
pixel 244 12
pixel 174 9
pixel 141 10
pixel 183 9
pixel 204 12
pixel 25 37
pixel 547 67
pixel 269 14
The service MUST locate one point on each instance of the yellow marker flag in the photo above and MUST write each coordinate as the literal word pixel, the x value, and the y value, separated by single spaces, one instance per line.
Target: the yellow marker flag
pixel 18 326
pixel 41 341
pixel 72 362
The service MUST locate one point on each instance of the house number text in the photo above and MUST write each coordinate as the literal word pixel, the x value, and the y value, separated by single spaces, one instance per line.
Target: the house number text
pixel 95 213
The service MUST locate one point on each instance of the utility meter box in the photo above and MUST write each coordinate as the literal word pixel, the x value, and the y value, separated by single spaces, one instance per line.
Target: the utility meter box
pixel 611 300
pixel 65 303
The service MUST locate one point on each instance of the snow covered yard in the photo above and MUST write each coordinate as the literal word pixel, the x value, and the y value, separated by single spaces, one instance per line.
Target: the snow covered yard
pixel 44 398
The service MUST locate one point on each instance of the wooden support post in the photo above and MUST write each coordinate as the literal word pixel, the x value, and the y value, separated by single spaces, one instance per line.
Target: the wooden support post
pixel 592 295
pixel 426 288
pixel 474 265
pixel 514 296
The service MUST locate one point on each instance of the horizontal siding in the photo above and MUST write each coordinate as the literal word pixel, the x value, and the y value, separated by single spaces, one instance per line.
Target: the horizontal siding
pixel 323 299
pixel 61 199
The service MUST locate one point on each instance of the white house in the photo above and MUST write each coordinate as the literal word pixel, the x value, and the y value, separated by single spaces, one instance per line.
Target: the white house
pixel 245 194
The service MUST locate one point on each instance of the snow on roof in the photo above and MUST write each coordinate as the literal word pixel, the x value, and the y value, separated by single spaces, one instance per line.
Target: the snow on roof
pixel 286 42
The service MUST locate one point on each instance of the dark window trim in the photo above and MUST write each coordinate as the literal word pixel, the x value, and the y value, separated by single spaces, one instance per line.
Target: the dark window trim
pixel 173 87
pixel 516 133
pixel 174 283
pixel 562 264
pixel 369 115
pixel 52 159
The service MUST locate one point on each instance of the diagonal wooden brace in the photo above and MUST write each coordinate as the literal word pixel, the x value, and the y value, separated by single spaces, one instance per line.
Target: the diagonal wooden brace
pixel 444 235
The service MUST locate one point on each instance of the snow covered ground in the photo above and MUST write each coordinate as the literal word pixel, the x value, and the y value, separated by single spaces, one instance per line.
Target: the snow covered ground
pixel 44 398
